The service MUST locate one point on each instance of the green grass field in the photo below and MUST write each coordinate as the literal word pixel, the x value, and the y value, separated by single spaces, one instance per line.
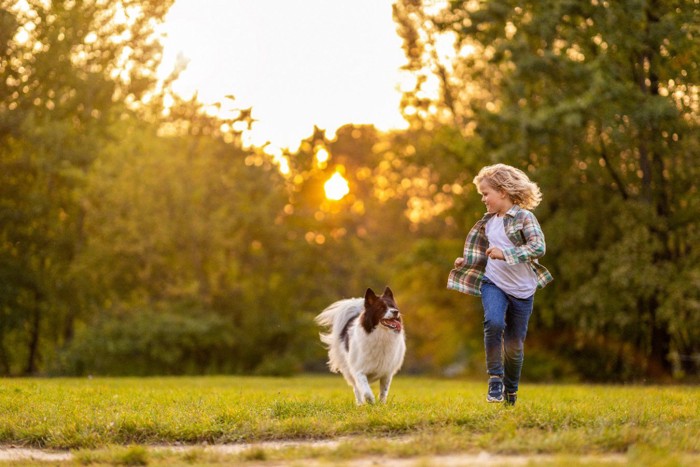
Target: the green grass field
pixel 105 420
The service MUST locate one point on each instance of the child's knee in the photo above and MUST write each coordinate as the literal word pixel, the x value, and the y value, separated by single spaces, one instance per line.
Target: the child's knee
pixel 514 347
pixel 494 326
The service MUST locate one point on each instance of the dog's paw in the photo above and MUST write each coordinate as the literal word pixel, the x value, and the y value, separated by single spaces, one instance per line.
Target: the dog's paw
pixel 369 398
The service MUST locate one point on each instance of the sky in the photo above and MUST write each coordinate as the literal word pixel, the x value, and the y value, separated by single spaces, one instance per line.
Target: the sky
pixel 297 63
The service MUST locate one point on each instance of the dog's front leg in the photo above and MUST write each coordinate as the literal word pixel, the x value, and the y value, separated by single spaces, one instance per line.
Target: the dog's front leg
pixel 358 395
pixel 350 378
pixel 384 384
pixel 362 386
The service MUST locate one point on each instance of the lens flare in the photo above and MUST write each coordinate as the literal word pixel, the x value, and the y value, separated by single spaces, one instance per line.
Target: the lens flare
pixel 336 187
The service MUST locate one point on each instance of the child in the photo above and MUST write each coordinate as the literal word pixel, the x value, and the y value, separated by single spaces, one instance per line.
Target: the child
pixel 500 265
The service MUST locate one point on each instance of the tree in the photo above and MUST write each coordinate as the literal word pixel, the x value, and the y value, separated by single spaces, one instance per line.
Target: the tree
pixel 67 69
pixel 185 225
pixel 599 102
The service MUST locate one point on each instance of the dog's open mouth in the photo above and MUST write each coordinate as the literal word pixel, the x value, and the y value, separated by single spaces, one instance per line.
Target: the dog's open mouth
pixel 394 324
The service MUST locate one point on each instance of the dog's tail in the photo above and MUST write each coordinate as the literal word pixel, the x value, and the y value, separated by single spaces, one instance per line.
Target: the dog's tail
pixel 337 316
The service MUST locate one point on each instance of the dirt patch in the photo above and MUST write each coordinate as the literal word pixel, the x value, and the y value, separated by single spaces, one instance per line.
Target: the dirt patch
pixel 482 459
pixel 452 460
pixel 22 454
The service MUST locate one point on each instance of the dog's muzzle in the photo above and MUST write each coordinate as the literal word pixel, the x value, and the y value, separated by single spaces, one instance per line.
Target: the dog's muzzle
pixel 392 323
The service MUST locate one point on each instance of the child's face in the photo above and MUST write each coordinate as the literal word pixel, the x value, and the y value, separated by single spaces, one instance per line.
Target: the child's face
pixel 497 202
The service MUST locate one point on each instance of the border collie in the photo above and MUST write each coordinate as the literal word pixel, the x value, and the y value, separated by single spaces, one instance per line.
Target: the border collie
pixel 366 342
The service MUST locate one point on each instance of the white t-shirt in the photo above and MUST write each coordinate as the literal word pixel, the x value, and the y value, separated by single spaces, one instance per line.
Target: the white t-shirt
pixel 518 280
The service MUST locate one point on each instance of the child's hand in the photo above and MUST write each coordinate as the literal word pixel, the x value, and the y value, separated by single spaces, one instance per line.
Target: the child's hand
pixel 495 253
pixel 459 262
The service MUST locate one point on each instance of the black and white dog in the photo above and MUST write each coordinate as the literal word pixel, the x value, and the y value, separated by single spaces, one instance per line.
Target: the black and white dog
pixel 366 342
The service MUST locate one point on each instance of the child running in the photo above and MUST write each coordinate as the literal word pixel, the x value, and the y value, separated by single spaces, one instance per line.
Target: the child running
pixel 500 265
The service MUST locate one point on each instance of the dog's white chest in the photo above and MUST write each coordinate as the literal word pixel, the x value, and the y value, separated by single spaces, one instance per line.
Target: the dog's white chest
pixel 377 354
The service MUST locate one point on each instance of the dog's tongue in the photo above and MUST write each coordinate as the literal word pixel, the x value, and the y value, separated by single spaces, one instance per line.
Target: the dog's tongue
pixel 395 324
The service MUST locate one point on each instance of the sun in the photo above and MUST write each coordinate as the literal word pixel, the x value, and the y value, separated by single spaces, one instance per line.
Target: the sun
pixel 336 187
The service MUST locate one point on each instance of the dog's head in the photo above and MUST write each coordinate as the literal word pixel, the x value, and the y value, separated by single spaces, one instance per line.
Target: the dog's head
pixel 381 311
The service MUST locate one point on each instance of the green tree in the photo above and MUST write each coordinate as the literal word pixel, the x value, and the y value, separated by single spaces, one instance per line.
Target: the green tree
pixel 67 69
pixel 183 222
pixel 599 102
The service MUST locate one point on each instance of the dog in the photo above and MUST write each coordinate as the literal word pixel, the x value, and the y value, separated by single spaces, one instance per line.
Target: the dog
pixel 366 342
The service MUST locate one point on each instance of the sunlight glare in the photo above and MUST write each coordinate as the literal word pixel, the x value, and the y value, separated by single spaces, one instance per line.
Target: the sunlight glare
pixel 336 187
pixel 278 157
pixel 322 157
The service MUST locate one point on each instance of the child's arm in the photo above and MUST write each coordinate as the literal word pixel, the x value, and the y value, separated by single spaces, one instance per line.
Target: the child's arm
pixel 534 246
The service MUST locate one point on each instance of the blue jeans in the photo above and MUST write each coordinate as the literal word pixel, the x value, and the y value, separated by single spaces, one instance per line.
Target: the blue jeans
pixel 505 328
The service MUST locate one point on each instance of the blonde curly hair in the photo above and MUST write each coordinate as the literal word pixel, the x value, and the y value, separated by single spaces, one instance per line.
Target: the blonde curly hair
pixel 514 182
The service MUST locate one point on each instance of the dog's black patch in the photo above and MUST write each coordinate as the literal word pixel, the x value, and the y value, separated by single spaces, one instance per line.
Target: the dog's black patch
pixel 345 335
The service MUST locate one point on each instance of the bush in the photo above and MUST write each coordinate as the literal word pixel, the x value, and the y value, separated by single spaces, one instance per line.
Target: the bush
pixel 146 342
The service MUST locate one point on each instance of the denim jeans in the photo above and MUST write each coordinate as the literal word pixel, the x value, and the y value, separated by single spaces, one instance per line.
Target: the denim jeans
pixel 505 328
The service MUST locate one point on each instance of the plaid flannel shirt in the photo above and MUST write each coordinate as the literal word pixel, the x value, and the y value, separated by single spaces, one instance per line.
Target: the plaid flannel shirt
pixel 526 234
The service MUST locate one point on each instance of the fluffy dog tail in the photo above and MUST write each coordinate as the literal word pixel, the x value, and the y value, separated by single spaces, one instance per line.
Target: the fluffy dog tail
pixel 335 318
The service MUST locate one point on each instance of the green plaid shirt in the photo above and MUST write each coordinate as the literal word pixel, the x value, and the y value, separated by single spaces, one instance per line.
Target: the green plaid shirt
pixel 526 234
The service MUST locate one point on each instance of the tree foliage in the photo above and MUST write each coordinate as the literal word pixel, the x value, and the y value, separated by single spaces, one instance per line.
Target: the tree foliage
pixel 143 238
pixel 66 70
pixel 599 102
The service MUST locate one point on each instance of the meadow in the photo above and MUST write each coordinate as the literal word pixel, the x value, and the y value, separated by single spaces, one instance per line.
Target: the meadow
pixel 116 420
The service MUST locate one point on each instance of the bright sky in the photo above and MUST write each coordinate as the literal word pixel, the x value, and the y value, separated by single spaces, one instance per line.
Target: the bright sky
pixel 296 62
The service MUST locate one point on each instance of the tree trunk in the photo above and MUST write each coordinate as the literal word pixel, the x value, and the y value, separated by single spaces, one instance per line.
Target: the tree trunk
pixel 4 360
pixel 659 353
pixel 31 367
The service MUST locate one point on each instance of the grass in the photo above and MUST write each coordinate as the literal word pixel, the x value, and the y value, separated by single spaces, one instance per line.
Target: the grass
pixel 110 420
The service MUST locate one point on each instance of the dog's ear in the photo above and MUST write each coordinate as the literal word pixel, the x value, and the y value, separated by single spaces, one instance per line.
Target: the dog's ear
pixel 388 293
pixel 370 297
